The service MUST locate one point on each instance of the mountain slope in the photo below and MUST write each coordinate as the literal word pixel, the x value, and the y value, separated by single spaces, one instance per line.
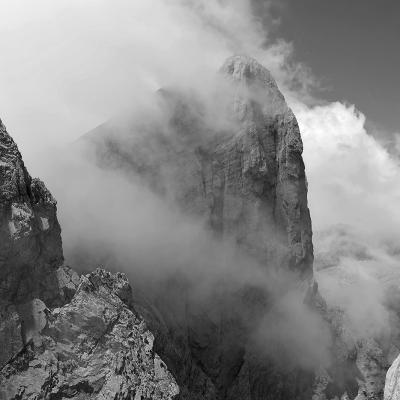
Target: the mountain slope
pixel 90 343
pixel 239 318
pixel 30 245
pixel 232 160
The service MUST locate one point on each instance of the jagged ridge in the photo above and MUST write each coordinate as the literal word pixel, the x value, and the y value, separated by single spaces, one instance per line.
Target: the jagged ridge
pixel 95 346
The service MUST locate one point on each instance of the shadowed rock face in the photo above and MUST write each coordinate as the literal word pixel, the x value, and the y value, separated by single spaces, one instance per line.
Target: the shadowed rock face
pixel 239 167
pixel 30 236
pixel 95 346
pixel 30 247
pixel 263 165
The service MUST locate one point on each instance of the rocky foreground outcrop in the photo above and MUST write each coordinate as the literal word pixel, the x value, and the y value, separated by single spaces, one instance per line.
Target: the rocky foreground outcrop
pixel 31 255
pixel 30 235
pixel 94 347
pixel 62 336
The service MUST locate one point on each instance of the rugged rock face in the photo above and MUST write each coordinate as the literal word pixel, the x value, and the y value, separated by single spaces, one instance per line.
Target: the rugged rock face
pixel 236 165
pixel 263 166
pixel 30 236
pixel 240 167
pixel 244 175
pixel 31 255
pixel 94 347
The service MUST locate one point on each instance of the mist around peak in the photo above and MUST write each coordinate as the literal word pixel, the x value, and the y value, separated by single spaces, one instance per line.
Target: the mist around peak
pixel 112 60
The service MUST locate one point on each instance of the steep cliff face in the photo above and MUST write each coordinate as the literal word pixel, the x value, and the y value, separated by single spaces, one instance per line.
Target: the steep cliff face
pixel 30 235
pixel 31 255
pixel 234 163
pixel 234 159
pixel 262 165
pixel 94 345
pixel 239 167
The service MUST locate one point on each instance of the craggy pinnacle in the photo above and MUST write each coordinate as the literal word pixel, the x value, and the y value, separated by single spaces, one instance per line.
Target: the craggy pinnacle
pixel 31 255
pixel 30 235
pixel 241 171
pixel 244 176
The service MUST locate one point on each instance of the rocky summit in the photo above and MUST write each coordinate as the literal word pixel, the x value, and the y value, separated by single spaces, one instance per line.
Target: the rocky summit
pixel 234 160
pixel 31 254
pixel 238 165
pixel 230 159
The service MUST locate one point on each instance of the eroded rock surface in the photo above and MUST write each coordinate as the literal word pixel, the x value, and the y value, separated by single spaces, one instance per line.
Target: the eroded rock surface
pixel 238 167
pixel 31 255
pixel 94 347
pixel 30 235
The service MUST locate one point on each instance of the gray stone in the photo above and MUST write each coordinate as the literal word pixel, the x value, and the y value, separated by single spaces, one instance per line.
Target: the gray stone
pixel 94 347
pixel 30 235
pixel 245 177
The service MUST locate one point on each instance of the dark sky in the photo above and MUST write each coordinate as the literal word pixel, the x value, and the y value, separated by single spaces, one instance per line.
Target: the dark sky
pixel 352 46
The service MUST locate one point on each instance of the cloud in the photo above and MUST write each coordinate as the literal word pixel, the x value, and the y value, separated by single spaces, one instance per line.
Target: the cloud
pixel 294 335
pixel 353 179
pixel 354 194
pixel 70 65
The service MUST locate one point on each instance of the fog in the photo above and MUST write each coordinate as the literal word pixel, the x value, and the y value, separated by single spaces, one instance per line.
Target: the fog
pixel 71 65
pixel 354 192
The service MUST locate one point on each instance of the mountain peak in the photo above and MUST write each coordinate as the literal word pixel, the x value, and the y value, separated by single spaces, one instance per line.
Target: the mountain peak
pixel 247 69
